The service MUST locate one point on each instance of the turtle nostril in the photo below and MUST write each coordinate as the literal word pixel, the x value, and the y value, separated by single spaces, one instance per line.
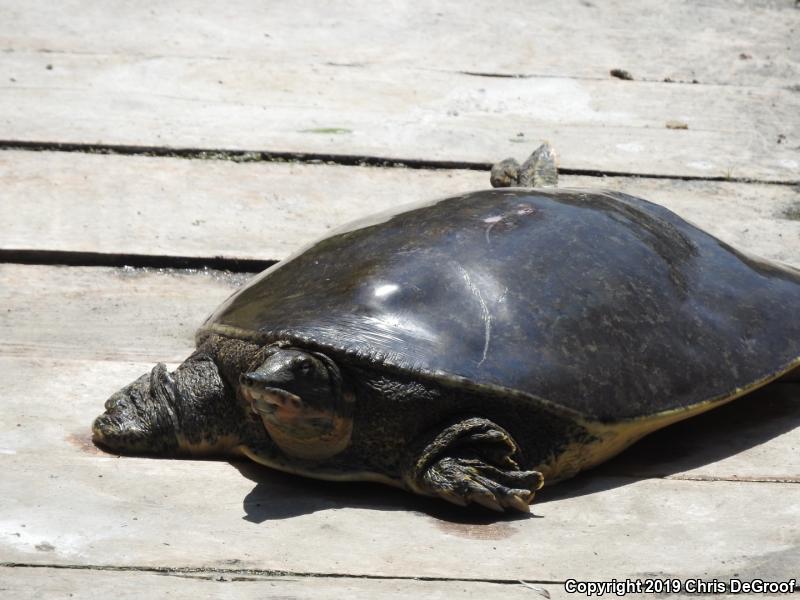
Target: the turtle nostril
pixel 107 431
pixel 251 381
pixel 100 427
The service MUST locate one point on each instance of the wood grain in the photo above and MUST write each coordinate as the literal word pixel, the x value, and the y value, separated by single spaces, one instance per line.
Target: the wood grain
pixel 204 208
pixel 727 42
pixel 37 583
pixel 43 582
pixel 82 508
pixel 716 496
pixel 400 113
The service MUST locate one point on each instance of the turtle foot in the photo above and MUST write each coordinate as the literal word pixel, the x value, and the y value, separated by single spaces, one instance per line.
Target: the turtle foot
pixel 540 170
pixel 473 461
pixel 464 481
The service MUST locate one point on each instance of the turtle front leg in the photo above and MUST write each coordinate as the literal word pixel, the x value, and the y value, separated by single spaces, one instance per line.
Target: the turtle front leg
pixel 472 460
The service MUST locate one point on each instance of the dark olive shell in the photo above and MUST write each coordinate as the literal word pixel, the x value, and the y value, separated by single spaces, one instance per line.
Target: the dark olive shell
pixel 596 301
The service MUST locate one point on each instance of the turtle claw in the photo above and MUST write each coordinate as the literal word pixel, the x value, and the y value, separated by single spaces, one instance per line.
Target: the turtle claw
pixel 516 501
pixel 464 481
pixel 472 461
pixel 487 499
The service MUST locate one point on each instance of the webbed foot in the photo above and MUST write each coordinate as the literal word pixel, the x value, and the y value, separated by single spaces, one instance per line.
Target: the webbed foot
pixel 462 481
pixel 473 461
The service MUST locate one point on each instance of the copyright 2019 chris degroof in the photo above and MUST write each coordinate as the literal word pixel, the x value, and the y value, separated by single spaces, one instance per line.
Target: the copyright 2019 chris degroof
pixel 622 587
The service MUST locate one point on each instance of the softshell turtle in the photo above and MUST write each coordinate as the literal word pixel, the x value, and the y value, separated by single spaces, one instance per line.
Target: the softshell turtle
pixel 473 347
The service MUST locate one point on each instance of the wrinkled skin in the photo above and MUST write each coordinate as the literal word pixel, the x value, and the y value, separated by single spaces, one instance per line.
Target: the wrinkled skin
pixel 307 408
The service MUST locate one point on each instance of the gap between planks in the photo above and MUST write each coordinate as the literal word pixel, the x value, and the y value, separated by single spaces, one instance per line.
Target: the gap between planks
pixel 58 581
pixel 250 156
pixel 116 210
pixel 209 572
pixel 81 258
pixel 55 582
pixel 402 112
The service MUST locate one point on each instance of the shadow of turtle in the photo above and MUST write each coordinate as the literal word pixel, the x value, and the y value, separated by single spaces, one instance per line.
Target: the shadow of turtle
pixel 708 438
pixel 279 495
pixel 718 434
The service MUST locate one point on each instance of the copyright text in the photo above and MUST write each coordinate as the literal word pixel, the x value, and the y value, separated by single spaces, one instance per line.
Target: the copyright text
pixel 621 587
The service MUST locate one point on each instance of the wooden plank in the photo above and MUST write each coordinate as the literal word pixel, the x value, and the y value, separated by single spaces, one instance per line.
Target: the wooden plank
pixel 29 583
pixel 754 438
pixel 199 208
pixel 400 113
pixel 149 316
pixel 106 314
pixel 67 504
pixel 81 507
pixel 37 583
pixel 173 206
pixel 752 43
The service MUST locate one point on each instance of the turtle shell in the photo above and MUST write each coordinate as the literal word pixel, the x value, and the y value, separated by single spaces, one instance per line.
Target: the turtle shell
pixel 597 302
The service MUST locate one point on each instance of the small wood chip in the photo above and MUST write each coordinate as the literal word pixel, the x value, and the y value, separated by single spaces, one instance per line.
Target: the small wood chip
pixel 677 125
pixel 621 74
pixel 538 589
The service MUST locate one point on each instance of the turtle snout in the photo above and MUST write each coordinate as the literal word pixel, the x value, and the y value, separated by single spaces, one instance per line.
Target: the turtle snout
pixel 133 423
pixel 120 431
pixel 267 401
pixel 251 380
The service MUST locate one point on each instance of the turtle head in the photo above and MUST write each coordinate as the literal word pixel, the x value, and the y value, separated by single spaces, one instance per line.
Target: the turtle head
pixel 302 402
pixel 189 411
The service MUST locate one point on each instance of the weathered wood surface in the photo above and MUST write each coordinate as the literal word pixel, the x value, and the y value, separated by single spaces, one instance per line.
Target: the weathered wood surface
pixel 173 206
pixel 716 496
pixel 740 42
pixel 43 582
pixel 105 314
pixel 99 314
pixel 755 438
pixel 80 507
pixel 400 113
pixel 94 509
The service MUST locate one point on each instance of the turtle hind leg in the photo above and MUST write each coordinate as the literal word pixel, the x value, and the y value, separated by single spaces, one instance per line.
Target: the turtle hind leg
pixel 505 173
pixel 540 170
pixel 472 461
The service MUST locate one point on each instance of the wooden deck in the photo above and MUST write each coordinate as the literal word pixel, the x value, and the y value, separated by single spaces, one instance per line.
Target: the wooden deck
pixel 228 135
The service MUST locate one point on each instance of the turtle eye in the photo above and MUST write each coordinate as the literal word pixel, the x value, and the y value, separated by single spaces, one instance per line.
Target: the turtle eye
pixel 304 366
